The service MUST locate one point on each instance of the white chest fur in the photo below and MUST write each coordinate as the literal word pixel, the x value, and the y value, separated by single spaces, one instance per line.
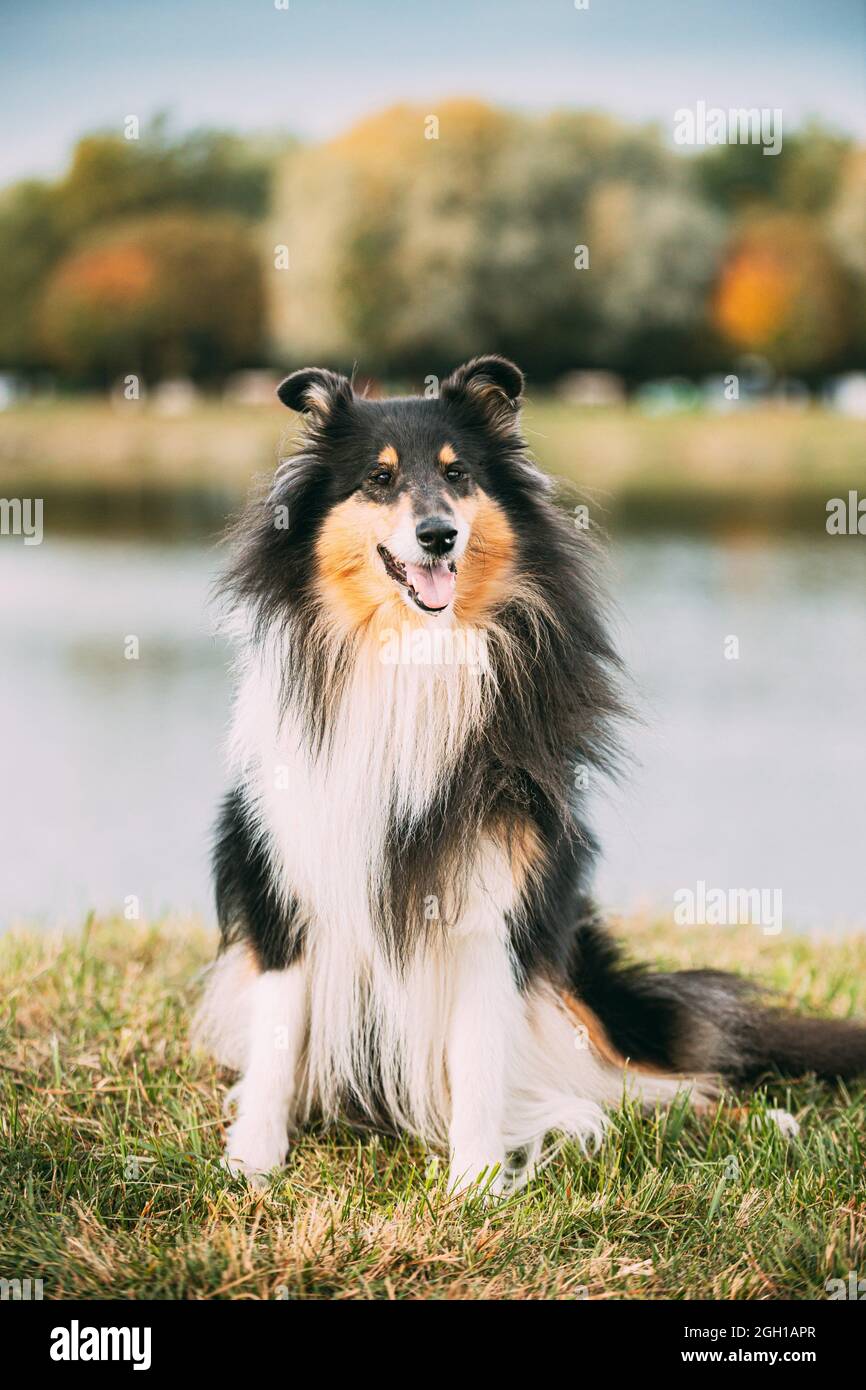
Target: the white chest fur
pixel 325 817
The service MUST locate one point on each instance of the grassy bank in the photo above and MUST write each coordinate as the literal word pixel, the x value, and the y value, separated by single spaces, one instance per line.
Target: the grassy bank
pixel 769 468
pixel 110 1136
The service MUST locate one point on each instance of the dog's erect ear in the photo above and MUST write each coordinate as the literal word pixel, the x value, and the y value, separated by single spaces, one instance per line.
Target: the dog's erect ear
pixel 493 383
pixel 315 391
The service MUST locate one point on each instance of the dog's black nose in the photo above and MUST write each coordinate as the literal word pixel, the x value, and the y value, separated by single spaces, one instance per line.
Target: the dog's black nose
pixel 436 534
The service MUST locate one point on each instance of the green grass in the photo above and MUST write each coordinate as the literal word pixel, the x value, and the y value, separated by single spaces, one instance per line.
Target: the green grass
pixel 110 1138
pixel 769 468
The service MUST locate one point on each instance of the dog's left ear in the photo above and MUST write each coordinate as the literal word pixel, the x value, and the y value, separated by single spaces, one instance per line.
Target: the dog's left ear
pixel 492 383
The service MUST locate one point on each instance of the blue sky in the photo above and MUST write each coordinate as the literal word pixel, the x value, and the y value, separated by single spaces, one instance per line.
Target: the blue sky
pixel 67 66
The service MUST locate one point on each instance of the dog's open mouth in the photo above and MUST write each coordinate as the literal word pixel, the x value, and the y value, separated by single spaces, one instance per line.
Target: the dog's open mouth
pixel 430 587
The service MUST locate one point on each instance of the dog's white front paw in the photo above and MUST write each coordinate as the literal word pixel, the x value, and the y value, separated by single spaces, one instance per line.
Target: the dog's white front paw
pixel 254 1149
pixel 474 1174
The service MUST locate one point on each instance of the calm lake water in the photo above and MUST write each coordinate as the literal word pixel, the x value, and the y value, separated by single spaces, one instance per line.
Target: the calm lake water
pixel 748 772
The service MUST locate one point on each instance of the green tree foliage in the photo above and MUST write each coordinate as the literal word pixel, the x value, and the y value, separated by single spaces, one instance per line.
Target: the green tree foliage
pixel 802 177
pixel 170 294
pixel 847 232
pixel 206 171
pixel 31 239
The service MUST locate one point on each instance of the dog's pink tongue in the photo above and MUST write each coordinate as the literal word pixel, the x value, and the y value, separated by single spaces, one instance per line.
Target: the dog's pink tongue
pixel 434 586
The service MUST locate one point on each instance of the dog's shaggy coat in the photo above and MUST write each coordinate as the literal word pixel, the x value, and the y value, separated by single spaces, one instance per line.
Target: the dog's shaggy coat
pixel 402 867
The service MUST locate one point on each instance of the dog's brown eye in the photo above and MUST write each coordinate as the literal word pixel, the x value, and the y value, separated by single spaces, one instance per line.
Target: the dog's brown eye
pixel 453 474
pixel 382 476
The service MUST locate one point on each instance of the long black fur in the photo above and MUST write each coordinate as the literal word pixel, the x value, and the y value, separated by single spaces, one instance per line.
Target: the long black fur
pixel 248 907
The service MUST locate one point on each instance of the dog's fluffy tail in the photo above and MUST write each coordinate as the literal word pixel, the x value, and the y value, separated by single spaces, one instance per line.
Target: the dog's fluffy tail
pixel 699 1021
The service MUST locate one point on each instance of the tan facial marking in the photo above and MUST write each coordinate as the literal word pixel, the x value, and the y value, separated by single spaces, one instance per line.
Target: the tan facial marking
pixel 352 579
pixel 388 456
pixel 447 455
pixel 486 568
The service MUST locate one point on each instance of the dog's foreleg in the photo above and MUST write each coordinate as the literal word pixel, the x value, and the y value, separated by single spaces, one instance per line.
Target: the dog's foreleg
pixel 258 1140
pixel 484 1023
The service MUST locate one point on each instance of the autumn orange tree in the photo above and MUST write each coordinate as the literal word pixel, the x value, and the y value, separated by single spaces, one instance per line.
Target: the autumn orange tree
pixel 170 294
pixel 782 292
pixel 201 175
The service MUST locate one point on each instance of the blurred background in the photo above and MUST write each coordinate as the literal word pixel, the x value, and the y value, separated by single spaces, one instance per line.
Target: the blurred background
pixel 198 198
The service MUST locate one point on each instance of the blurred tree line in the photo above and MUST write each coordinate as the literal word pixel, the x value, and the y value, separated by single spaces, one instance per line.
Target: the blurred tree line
pixel 143 258
pixel 413 241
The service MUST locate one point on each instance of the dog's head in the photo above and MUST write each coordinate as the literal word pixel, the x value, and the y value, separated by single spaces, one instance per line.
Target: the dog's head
pixel 411 516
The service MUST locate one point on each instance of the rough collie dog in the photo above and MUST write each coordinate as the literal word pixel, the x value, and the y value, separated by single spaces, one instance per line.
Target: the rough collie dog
pixel 402 867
